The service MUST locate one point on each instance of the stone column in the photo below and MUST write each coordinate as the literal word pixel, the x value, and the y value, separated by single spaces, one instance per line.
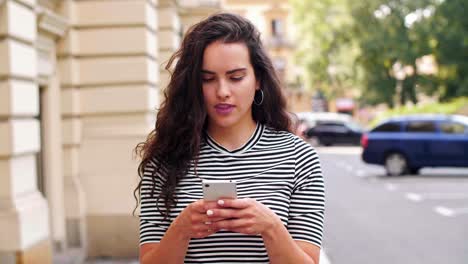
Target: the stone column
pixel 24 213
pixel 51 27
pixel 169 36
pixel 68 67
pixel 115 74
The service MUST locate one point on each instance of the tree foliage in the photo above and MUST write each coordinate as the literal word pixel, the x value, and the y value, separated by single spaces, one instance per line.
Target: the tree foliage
pixel 321 48
pixel 366 39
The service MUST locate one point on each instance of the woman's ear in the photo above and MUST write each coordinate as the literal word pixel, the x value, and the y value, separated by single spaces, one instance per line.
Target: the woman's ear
pixel 257 85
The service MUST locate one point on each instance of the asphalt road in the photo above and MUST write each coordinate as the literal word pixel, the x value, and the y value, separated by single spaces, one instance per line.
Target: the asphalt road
pixel 372 218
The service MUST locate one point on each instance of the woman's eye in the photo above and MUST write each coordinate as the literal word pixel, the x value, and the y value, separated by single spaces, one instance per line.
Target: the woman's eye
pixel 207 79
pixel 237 78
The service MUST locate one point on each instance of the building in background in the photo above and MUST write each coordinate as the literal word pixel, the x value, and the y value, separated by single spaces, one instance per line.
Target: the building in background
pixel 79 85
pixel 274 19
pixel 80 82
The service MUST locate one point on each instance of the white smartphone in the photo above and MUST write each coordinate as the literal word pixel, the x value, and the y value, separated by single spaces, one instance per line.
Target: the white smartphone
pixel 215 190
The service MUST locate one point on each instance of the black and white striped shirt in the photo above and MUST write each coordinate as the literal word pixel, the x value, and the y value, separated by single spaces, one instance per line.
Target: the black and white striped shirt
pixel 275 168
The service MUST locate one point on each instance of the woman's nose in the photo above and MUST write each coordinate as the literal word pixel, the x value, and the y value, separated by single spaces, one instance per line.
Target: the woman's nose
pixel 223 90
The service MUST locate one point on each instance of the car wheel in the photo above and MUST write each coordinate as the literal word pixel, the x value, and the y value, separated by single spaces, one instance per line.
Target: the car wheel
pixel 396 164
pixel 324 141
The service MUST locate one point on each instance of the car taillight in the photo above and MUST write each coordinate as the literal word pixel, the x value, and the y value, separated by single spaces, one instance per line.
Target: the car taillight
pixel 364 140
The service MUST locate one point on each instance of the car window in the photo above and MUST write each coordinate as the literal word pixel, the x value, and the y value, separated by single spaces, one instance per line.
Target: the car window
pixel 353 126
pixel 329 123
pixel 452 128
pixel 329 126
pixel 340 128
pixel 388 127
pixel 420 126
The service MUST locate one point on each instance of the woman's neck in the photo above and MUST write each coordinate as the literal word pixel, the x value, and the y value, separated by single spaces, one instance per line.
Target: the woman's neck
pixel 232 138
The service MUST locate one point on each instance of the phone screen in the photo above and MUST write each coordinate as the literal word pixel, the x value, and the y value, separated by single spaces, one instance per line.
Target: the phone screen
pixel 215 190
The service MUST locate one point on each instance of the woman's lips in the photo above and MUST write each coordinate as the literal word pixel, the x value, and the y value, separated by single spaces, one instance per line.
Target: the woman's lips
pixel 224 109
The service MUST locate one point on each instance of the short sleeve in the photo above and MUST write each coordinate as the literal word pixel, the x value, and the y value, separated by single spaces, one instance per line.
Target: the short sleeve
pixel 307 207
pixel 153 226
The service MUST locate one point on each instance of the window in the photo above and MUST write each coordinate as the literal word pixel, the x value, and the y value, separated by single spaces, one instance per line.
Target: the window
pixel 452 128
pixel 388 127
pixel 40 155
pixel 276 27
pixel 331 127
pixel 420 126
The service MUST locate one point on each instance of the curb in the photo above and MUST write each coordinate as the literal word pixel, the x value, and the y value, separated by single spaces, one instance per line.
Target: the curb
pixel 323 258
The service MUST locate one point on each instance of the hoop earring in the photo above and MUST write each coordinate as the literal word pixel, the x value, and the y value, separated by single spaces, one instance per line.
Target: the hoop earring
pixel 261 100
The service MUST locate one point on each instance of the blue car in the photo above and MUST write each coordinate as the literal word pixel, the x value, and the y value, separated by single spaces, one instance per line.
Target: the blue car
pixel 406 144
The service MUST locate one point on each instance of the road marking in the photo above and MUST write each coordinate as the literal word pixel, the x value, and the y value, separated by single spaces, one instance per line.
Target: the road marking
pixel 390 187
pixel 348 167
pixel 361 173
pixel 323 258
pixel 444 211
pixel 341 164
pixel 415 197
pixel 450 212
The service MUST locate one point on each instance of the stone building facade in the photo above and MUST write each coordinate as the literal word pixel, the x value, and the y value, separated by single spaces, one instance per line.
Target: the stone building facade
pixel 80 82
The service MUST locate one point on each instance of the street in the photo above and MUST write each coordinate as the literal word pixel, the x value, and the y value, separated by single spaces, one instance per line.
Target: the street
pixel 372 218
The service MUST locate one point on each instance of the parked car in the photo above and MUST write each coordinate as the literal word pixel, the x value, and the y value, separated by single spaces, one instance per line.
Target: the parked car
pixel 335 132
pixel 310 119
pixel 406 144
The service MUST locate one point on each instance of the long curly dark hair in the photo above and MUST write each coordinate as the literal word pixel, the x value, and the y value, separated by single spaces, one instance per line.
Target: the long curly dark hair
pixel 182 117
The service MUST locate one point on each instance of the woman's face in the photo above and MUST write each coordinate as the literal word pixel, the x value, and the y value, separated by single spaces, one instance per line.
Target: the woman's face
pixel 229 85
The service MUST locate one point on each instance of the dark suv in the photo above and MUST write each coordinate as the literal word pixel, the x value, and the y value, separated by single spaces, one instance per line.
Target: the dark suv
pixel 408 143
pixel 335 132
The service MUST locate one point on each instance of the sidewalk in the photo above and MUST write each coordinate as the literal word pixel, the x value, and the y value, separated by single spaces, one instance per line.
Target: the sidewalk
pixel 111 261
pixel 107 260
pixel 76 256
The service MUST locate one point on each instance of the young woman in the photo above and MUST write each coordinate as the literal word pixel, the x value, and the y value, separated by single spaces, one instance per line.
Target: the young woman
pixel 224 118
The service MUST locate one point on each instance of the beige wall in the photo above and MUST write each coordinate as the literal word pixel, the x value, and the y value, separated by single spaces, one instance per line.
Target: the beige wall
pixel 169 36
pixel 24 214
pixel 115 58
pixel 93 68
pixel 80 82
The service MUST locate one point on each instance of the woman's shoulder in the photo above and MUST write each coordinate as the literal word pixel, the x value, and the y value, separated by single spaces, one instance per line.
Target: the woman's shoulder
pixel 153 170
pixel 287 137
pixel 270 132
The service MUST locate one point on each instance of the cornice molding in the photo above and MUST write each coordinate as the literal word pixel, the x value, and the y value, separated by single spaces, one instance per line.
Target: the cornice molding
pixel 168 3
pixel 50 22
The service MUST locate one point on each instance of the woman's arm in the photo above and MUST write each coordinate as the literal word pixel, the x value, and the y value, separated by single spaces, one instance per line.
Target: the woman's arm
pixel 171 249
pixel 283 249
pixel 191 223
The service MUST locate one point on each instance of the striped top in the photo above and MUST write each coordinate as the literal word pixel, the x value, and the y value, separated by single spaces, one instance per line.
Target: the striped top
pixel 275 168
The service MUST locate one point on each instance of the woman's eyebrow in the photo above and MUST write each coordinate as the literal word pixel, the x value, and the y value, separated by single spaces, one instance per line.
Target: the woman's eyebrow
pixel 208 72
pixel 228 72
pixel 235 70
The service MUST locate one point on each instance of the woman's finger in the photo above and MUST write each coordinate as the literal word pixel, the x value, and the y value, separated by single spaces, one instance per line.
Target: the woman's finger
pixel 245 230
pixel 201 231
pixel 223 213
pixel 198 206
pixel 233 223
pixel 236 203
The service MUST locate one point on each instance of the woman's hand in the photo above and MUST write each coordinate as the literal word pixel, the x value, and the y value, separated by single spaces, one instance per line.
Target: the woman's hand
pixel 246 216
pixel 193 221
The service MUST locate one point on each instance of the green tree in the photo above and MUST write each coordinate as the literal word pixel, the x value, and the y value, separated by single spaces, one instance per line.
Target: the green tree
pixel 449 39
pixel 386 37
pixel 324 48
pixel 363 41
